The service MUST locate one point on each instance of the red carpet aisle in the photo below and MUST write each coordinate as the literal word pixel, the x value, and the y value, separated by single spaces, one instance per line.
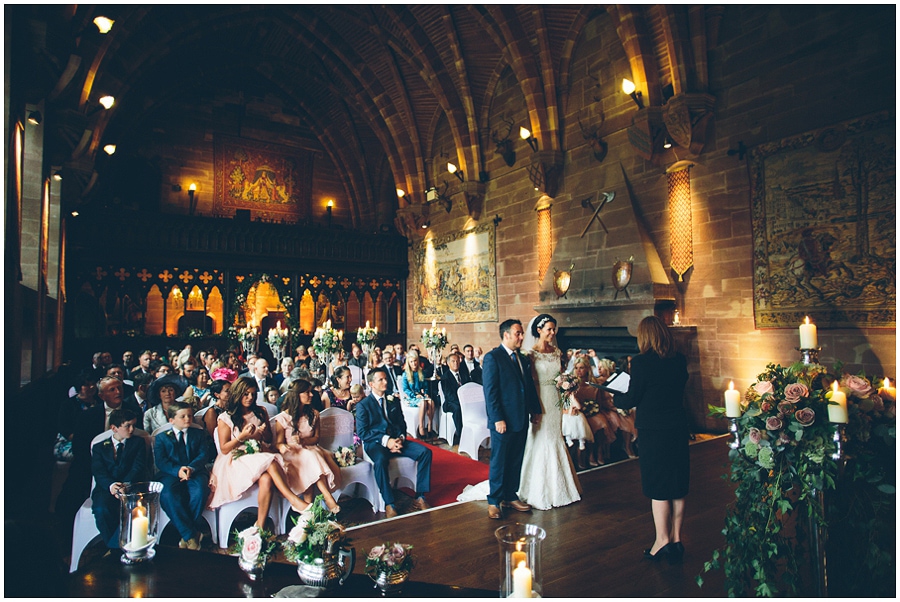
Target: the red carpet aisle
pixel 450 473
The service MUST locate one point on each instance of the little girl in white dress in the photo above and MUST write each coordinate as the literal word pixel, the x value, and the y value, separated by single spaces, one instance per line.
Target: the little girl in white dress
pixel 575 426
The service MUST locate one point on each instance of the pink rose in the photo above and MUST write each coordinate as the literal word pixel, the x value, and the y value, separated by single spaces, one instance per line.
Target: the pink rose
pixel 764 387
pixel 376 552
pixel 765 406
pixel 795 391
pixel 859 387
pixel 805 416
pixel 252 548
pixel 786 408
pixel 773 423
pixel 755 435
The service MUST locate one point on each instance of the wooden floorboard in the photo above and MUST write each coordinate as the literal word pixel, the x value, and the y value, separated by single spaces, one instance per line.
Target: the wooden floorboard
pixel 593 548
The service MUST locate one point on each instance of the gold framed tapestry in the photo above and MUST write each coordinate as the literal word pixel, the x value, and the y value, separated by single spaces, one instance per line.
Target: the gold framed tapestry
pixel 455 278
pixel 272 181
pixel 824 236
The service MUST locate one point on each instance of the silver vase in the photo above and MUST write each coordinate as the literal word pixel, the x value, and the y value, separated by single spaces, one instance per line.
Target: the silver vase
pixel 389 583
pixel 328 571
pixel 254 569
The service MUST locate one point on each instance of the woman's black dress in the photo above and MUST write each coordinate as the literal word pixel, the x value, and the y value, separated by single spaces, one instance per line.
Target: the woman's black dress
pixel 657 391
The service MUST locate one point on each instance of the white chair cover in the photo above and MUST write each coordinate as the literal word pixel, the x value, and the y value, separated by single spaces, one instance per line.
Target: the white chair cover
pixel 474 415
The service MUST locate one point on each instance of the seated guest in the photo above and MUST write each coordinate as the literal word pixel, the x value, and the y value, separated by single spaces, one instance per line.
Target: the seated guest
pixel 373 362
pixel 399 355
pixel 181 455
pixel 316 364
pixel 86 396
pixel 141 394
pixel 470 366
pixel 115 462
pixel 297 438
pixel 302 358
pixel 234 473
pixel 380 424
pixel 340 359
pixel 424 363
pixel 415 389
pixel 165 390
pixel 452 378
pixel 160 369
pixel 271 395
pixel 356 357
pixel 128 360
pixel 339 394
pixel 118 370
pixel 287 365
pixel 200 387
pixel 357 393
pixel 144 360
pixel 219 391
pixel 391 370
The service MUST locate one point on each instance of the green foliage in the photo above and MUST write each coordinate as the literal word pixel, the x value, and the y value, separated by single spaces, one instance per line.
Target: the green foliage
pixel 783 467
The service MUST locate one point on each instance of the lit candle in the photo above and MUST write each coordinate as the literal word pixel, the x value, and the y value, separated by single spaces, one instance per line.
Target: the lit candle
pixel 278 326
pixel 376 330
pixel 433 324
pixel 887 392
pixel 677 319
pixel 424 331
pixel 140 525
pixel 519 557
pixel 341 334
pixel 837 409
pixel 328 325
pixel 521 581
pixel 808 337
pixel 732 402
pixel 367 325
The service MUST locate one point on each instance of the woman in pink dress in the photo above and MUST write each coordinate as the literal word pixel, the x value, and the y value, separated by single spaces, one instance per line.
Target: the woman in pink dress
pixel 296 437
pixel 241 424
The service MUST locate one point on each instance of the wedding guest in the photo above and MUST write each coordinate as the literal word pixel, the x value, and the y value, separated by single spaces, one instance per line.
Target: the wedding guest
pixel 316 364
pixel 356 357
pixel 391 369
pixel 658 379
pixel 287 364
pixel 219 391
pixel 452 378
pixel 414 387
pixel 339 394
pixel 470 366
pixel 302 357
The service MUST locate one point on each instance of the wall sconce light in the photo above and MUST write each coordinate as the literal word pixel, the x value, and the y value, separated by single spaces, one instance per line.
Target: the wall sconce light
pixel 35 118
pixel 433 195
pixel 107 101
pixel 109 149
pixel 505 145
pixel 562 280
pixel 74 214
pixel 401 193
pixel 426 225
pixel 329 206
pixel 191 204
pixel 452 168
pixel 629 88
pixel 525 134
pixel 57 175
pixel 104 24
pixel 667 142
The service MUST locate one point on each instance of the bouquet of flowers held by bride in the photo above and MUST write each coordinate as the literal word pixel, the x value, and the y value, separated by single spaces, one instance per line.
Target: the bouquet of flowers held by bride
pixel 566 384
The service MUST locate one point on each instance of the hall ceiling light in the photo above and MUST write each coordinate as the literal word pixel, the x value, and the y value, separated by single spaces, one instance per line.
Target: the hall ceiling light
pixel 104 24
pixel 109 149
pixel 107 101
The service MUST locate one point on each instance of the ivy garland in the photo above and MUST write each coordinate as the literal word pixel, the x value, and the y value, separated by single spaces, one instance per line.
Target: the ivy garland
pixel 242 289
pixel 784 460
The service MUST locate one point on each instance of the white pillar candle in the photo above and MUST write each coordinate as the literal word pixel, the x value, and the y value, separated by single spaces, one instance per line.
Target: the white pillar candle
pixel 888 392
pixel 838 413
pixel 521 581
pixel 808 336
pixel 732 402
pixel 140 526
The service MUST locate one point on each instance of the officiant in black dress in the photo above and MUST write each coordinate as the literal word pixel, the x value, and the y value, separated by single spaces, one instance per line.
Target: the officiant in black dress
pixel 658 378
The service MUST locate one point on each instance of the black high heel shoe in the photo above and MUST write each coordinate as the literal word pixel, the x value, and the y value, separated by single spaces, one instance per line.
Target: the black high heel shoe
pixel 660 553
pixel 676 552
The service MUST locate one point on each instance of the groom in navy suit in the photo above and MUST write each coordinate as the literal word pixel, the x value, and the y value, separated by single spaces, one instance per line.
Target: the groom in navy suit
pixel 382 428
pixel 510 397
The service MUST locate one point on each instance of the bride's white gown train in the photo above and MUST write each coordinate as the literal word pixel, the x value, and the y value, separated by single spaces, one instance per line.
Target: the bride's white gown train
pixel 548 476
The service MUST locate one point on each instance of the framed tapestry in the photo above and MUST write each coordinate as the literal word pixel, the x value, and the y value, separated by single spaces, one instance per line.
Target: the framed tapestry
pixel 455 277
pixel 824 231
pixel 273 182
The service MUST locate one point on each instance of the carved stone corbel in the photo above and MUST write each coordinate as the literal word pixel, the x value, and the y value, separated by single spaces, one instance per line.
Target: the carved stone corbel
pixel 545 171
pixel 409 220
pixel 644 131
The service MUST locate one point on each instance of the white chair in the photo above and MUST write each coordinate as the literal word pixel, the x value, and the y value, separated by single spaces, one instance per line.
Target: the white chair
pixel 447 426
pixel 198 415
pixel 356 376
pixel 271 409
pixel 474 415
pixel 336 430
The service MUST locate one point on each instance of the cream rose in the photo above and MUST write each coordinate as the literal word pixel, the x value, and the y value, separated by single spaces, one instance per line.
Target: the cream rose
pixel 764 387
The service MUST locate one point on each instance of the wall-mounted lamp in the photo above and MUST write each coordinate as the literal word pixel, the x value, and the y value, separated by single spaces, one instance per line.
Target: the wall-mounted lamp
pixel 107 101
pixel 35 118
pixel 426 225
pixel 525 134
pixel 433 195
pixel 109 149
pixel 74 214
pixel 629 88
pixel 401 193
pixel 57 175
pixel 452 168
pixel 667 142
pixel 329 206
pixel 104 24
pixel 191 204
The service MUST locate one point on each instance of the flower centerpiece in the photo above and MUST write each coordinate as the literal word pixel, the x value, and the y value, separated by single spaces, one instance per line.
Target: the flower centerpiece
pixel 566 384
pixel 254 546
pixel 277 339
pixel 345 456
pixel 316 543
pixel 389 564
pixel 434 341
pixel 786 458
pixel 248 337
pixel 250 446
pixel 326 342
pixel 366 338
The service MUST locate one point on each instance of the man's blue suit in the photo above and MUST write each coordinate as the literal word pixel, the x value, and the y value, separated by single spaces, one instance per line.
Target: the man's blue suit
pixel 130 467
pixel 372 426
pixel 183 501
pixel 509 396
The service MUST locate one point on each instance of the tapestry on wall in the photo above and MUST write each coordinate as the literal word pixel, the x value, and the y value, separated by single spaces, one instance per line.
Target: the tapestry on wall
pixel 455 278
pixel 272 181
pixel 824 235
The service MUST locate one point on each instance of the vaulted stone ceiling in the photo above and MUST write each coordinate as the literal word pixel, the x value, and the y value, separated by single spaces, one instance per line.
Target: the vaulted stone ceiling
pixel 369 81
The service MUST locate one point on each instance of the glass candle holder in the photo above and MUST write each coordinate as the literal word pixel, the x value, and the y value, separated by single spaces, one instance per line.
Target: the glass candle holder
pixel 520 560
pixel 139 521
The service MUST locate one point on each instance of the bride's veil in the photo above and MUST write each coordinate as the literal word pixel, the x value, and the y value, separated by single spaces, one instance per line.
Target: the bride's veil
pixel 530 341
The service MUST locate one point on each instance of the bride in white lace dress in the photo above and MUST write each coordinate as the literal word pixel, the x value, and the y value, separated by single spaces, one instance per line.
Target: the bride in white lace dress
pixel 548 476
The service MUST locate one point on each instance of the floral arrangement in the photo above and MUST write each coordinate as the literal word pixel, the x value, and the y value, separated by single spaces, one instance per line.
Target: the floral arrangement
pixel 277 337
pixel 434 338
pixel 250 446
pixel 566 384
pixel 327 340
pixel 254 545
pixel 314 534
pixel 366 337
pixel 345 456
pixel 786 461
pixel 195 333
pixel 224 374
pixel 390 558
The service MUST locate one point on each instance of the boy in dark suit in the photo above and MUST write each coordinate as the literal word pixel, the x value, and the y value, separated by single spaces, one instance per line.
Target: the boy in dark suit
pixel 380 425
pixel 182 454
pixel 115 462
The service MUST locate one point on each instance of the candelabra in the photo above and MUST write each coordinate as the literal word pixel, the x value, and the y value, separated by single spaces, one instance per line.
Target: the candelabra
pixel 809 356
pixel 434 341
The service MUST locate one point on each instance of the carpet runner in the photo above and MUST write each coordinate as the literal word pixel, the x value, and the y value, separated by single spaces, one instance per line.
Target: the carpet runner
pixel 450 473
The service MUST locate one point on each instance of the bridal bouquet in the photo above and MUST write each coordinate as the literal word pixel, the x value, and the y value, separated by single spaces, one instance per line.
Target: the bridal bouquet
pixel 251 446
pixel 566 384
